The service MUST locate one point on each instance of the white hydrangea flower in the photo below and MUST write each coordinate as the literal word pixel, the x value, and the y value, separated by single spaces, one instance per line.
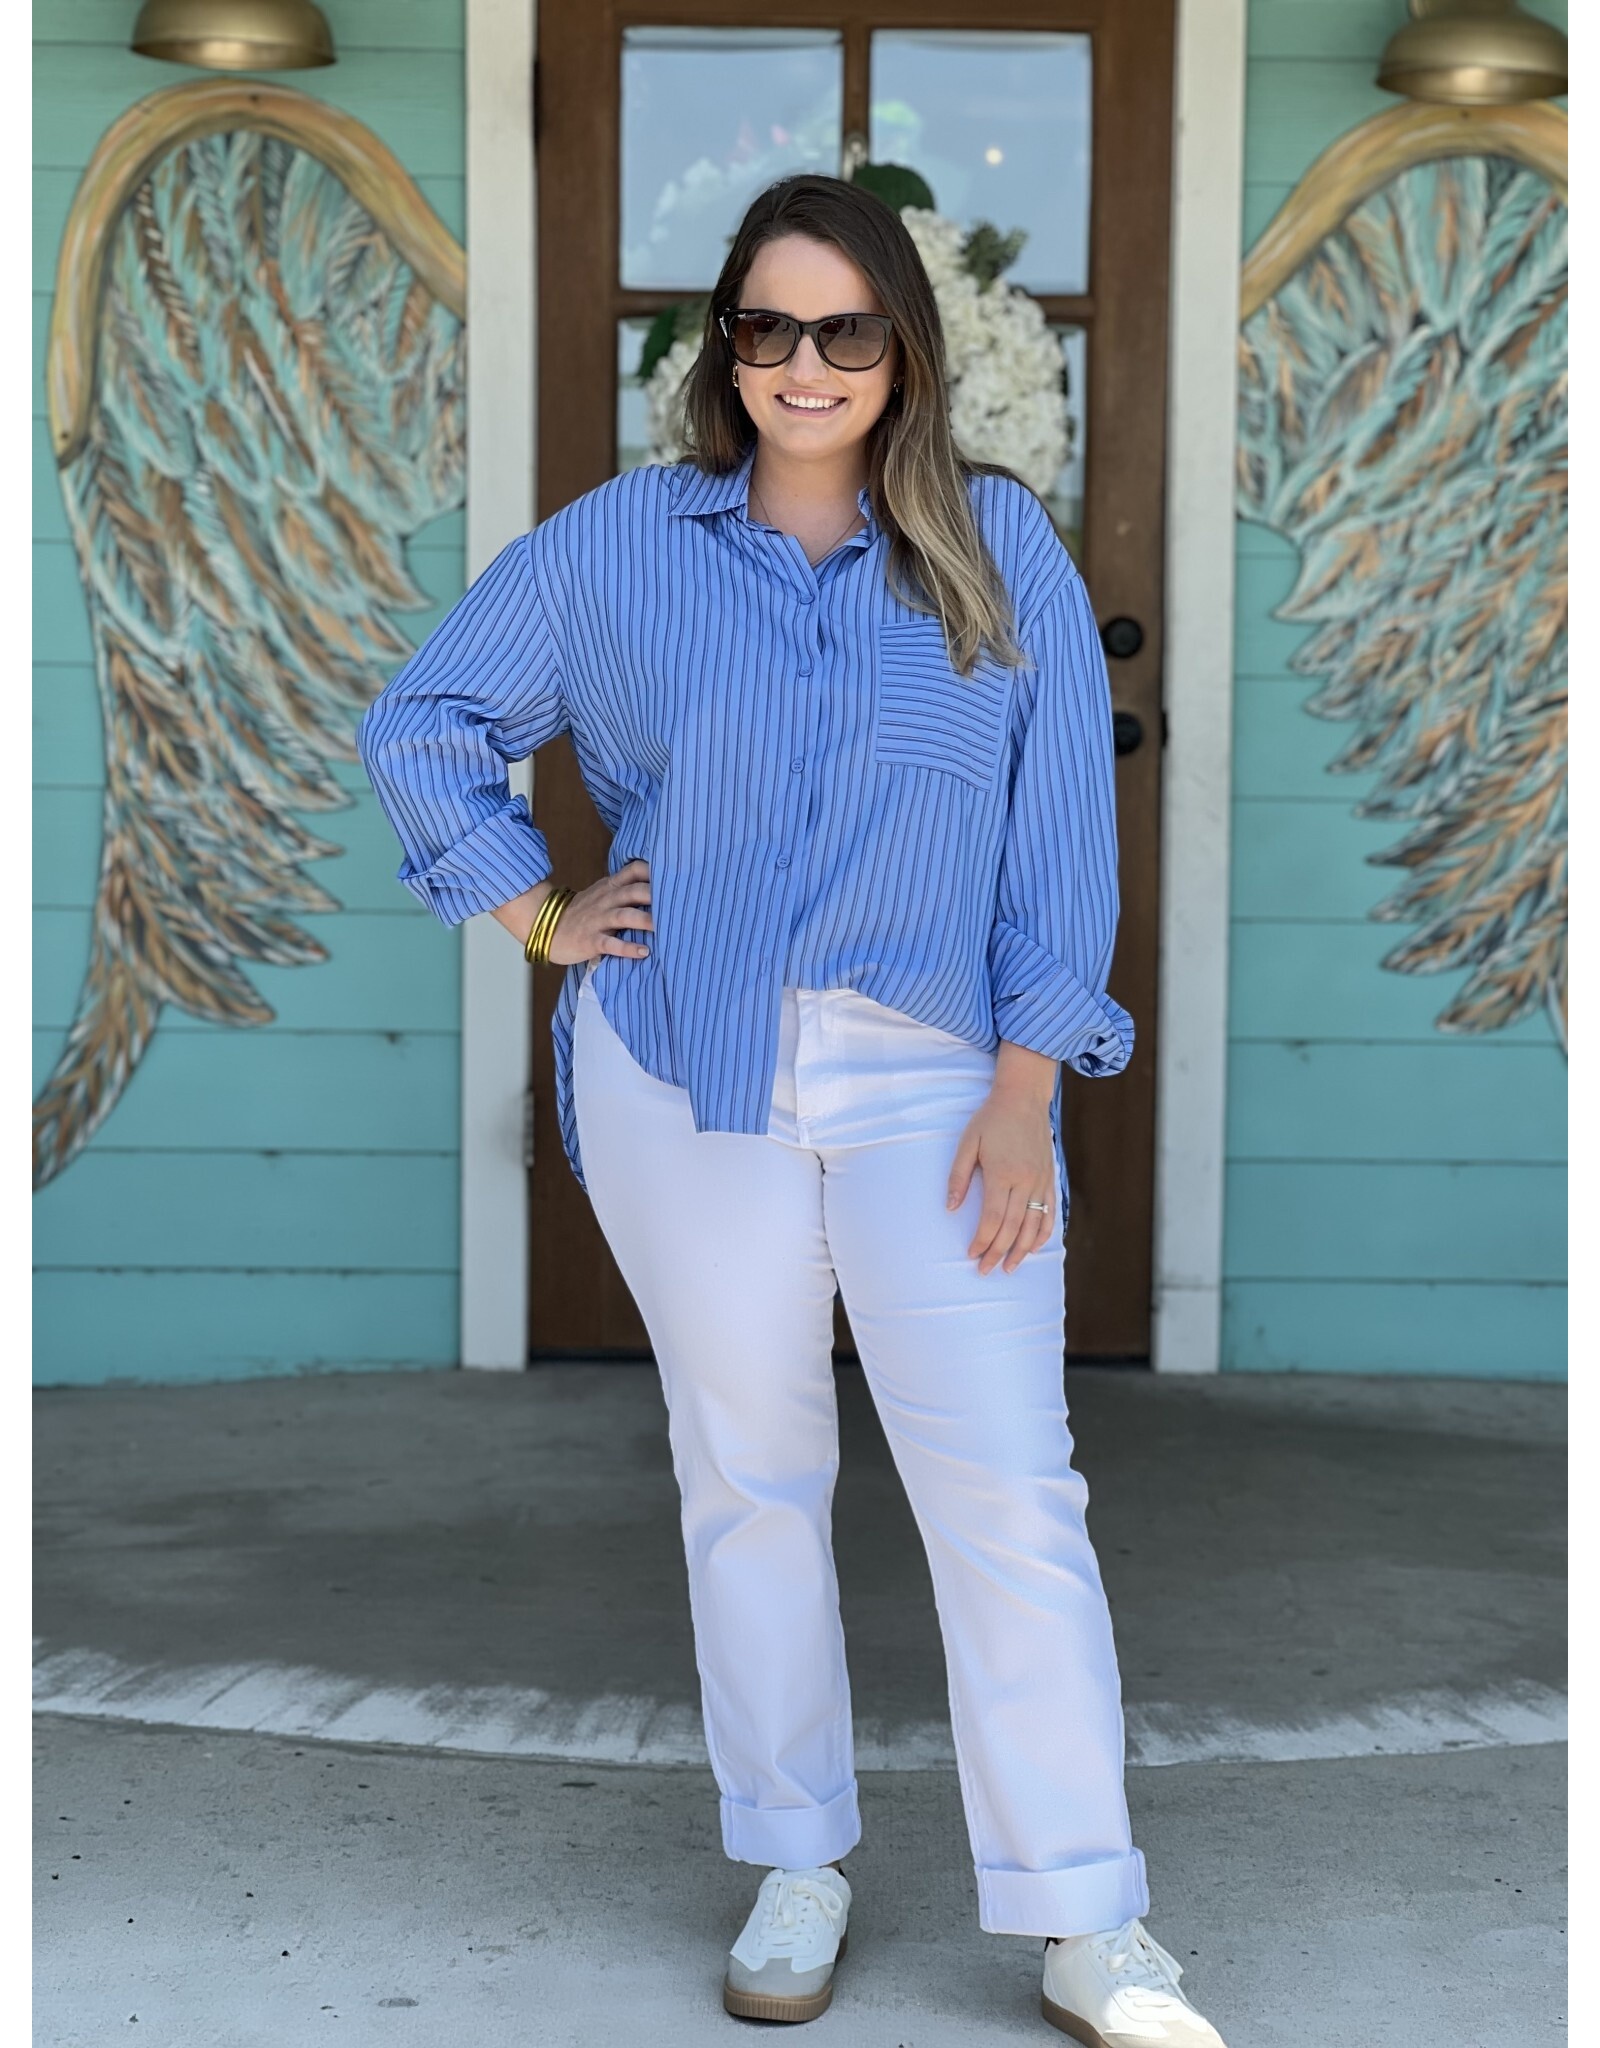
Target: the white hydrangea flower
pixel 664 400
pixel 1003 363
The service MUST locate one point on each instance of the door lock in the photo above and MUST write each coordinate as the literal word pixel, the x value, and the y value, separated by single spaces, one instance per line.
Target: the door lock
pixel 1121 638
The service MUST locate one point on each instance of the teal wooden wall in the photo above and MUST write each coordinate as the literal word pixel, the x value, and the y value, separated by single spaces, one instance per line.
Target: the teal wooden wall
pixel 1395 1198
pixel 282 1198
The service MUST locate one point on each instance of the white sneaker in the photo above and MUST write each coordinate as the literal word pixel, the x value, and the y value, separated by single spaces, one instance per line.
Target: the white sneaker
pixel 1120 1990
pixel 781 1967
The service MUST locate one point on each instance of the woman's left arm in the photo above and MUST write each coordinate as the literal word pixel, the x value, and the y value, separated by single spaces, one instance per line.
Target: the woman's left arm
pixel 1055 925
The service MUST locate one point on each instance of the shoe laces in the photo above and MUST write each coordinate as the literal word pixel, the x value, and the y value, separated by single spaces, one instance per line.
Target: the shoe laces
pixel 1139 1964
pixel 792 1902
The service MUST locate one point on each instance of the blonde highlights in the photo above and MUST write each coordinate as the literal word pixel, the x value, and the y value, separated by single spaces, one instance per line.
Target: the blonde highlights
pixel 917 480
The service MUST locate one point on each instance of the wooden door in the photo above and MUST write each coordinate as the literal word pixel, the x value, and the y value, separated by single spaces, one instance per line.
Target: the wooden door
pixel 656 122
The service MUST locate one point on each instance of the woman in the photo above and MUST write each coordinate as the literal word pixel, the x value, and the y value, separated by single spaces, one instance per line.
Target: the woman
pixel 839 697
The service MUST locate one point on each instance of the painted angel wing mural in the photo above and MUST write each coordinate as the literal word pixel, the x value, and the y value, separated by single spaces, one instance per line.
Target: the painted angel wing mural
pixel 1403 420
pixel 257 371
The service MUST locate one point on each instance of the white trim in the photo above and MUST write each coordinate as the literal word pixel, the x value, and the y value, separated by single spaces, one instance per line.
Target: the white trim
pixel 1197 772
pixel 496 1022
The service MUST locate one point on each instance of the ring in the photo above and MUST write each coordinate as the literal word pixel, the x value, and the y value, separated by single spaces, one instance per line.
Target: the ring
pixel 1038 1205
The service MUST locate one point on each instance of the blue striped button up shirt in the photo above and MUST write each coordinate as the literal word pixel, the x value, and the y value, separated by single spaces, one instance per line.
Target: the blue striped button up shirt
pixel 823 801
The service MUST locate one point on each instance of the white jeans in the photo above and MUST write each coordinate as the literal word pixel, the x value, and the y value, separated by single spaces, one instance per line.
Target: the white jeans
pixel 730 1244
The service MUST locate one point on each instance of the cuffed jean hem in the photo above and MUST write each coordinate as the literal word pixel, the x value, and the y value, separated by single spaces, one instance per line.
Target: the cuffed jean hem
pixel 792 1837
pixel 1088 1898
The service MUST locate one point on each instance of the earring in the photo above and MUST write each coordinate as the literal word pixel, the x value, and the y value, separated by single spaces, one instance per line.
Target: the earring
pixel 736 377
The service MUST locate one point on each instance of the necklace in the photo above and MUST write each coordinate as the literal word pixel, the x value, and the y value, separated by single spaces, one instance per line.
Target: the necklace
pixel 828 550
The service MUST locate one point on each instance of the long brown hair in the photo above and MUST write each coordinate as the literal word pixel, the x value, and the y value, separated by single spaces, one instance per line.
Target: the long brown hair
pixel 938 562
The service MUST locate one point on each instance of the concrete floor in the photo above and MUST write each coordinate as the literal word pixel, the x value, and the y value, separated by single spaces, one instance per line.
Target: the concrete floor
pixel 394 1674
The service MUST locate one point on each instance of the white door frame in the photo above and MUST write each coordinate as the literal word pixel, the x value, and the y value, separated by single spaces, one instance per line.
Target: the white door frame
pixel 1191 1085
pixel 1197 630
pixel 502 373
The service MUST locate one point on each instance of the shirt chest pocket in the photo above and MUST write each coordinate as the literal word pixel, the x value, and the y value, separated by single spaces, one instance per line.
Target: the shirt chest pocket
pixel 927 716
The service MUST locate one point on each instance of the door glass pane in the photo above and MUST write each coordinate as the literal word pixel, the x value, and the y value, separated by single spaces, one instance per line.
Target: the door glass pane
pixel 1066 497
pixel 710 116
pixel 998 124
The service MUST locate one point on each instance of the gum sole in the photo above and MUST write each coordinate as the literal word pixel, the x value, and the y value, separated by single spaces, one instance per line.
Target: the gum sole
pixel 761 2005
pixel 1069 2023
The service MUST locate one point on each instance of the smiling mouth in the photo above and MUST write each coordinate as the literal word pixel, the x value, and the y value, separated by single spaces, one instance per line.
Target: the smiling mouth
pixel 792 402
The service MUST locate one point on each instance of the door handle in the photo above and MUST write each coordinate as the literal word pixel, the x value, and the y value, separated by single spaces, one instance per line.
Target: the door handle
pixel 1121 638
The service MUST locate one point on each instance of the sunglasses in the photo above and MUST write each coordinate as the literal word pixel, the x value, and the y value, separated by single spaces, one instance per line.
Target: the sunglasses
pixel 845 341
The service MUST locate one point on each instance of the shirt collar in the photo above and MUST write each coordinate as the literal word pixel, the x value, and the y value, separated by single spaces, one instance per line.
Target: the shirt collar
pixel 701 493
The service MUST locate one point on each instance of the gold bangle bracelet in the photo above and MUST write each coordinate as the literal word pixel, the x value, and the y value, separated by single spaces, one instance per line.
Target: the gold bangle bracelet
pixel 536 951
pixel 535 939
pixel 556 916
pixel 541 952
pixel 530 945
pixel 535 944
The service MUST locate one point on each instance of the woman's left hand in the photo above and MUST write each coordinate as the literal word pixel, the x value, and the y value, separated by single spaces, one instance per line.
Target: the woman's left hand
pixel 1008 1140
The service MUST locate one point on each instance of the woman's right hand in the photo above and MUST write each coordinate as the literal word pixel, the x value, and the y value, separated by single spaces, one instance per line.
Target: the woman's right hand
pixel 588 926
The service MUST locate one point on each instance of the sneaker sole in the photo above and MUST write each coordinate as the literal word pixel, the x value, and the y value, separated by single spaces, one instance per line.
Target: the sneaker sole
pixel 763 2005
pixel 1069 2023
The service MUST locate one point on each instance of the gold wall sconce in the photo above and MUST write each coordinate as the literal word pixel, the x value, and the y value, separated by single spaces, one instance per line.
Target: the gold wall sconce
pixel 1474 53
pixel 234 35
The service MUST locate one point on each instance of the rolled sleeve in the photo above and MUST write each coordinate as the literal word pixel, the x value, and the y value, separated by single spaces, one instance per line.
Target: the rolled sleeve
pixel 496 860
pixel 1056 909
pixel 1050 1010
pixel 483 689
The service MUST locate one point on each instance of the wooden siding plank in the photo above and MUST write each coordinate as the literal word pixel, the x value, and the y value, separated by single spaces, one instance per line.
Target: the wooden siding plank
pixel 1264 645
pixel 1309 860
pixel 61 625
pixel 68 745
pixel 94 1328
pixel 288 1091
pixel 386 973
pixel 1296 106
pixel 1281 750
pixel 1323 1220
pixel 1351 29
pixel 49 511
pixel 447 532
pixel 55 184
pixel 362 875
pixel 327 1212
pixel 413 100
pixel 1458 1099
pixel 40 307
pixel 1261 201
pixel 1452 1330
pixel 1343 28
pixel 1320 982
pixel 1254 542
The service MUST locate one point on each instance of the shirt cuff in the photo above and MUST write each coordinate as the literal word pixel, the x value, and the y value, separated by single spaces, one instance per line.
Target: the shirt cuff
pixel 499 858
pixel 1042 1005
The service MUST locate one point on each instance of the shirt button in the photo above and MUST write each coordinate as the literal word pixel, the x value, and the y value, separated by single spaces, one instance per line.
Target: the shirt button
pixel 797 764
pixel 782 861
